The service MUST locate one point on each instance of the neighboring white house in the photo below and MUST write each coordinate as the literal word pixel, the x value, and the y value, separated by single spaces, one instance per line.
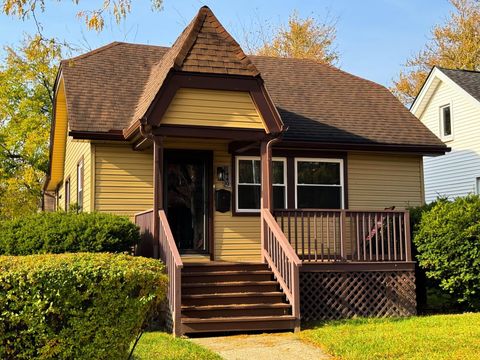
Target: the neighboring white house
pixel 449 105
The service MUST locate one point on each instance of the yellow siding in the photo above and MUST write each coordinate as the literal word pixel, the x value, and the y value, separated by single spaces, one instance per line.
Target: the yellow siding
pixel 222 108
pixel 377 181
pixel 123 179
pixel 74 151
pixel 59 138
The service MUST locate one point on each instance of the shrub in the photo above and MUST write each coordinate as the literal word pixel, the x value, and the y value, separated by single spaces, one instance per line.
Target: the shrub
pixel 448 242
pixel 59 232
pixel 75 306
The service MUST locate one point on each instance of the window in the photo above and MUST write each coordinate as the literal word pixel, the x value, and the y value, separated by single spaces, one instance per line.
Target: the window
pixel 446 129
pixel 248 184
pixel 80 185
pixel 478 186
pixel 67 194
pixel 319 183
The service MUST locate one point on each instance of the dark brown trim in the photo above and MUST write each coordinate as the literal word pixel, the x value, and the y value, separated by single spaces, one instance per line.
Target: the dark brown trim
pixel 357 266
pixel 208 132
pixel 176 80
pixel 414 149
pixel 115 135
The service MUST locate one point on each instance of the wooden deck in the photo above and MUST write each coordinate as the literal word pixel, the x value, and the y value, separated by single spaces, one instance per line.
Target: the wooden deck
pixel 318 264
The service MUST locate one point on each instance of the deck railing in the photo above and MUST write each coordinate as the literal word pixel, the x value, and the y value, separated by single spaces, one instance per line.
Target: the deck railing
pixel 144 220
pixel 283 261
pixel 319 235
pixel 171 258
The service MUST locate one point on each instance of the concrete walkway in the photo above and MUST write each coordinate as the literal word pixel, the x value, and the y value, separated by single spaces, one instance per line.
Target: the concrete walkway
pixel 284 346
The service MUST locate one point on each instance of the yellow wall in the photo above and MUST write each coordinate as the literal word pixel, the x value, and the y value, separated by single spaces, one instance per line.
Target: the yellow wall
pixel 123 179
pixel 377 181
pixel 59 138
pixel 74 151
pixel 213 108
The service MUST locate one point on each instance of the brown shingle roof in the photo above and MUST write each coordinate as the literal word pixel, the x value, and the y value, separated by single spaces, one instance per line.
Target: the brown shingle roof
pixel 112 86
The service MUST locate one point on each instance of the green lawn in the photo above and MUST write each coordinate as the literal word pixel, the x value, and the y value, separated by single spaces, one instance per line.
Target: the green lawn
pixel 158 345
pixel 430 337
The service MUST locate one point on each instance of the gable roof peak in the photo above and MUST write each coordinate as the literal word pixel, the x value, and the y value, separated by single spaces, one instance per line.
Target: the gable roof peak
pixel 204 46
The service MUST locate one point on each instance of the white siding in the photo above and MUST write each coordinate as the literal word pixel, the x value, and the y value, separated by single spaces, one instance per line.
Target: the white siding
pixel 455 173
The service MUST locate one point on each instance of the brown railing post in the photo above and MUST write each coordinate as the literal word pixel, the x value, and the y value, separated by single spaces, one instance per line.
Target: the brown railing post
pixel 408 240
pixel 343 227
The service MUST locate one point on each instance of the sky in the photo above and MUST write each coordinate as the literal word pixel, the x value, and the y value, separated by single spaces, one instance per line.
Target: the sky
pixel 374 37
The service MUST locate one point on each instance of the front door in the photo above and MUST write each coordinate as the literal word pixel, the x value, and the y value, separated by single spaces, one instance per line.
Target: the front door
pixel 187 182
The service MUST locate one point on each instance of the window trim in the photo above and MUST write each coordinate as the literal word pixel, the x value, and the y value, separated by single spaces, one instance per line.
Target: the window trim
pixel 325 160
pixel 67 193
pixel 237 183
pixel 444 137
pixel 80 176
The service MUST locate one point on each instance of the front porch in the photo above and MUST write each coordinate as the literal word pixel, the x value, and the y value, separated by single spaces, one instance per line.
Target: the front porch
pixel 316 264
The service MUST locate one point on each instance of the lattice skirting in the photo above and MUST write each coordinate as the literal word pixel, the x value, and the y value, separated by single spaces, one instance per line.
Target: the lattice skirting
pixel 338 295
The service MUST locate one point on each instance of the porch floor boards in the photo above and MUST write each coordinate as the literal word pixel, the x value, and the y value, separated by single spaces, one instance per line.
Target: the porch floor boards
pixel 232 297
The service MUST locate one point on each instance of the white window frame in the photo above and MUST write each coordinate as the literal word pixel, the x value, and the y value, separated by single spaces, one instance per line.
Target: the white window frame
pixel 321 160
pixel 80 184
pixel 237 182
pixel 442 129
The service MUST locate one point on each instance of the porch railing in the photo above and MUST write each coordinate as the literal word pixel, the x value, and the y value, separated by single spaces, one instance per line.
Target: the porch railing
pixel 283 261
pixel 319 235
pixel 144 220
pixel 173 262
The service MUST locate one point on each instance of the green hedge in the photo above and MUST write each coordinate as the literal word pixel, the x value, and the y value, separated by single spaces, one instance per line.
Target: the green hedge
pixel 448 244
pixel 75 306
pixel 60 232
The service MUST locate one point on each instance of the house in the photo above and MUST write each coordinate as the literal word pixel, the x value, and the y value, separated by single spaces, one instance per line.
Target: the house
pixel 449 105
pixel 266 185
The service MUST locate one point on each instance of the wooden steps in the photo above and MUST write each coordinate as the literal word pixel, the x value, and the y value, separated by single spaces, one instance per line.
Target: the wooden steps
pixel 232 297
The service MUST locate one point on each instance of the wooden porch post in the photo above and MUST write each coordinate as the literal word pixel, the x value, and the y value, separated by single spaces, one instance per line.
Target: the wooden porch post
pixel 266 188
pixel 157 190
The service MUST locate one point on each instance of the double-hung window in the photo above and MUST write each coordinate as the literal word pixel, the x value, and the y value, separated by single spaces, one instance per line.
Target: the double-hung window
pixel 319 183
pixel 446 126
pixel 80 185
pixel 248 183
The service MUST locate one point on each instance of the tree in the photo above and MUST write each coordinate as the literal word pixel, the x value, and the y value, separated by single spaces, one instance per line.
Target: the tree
pixel 454 44
pixel 26 101
pixel 94 18
pixel 304 38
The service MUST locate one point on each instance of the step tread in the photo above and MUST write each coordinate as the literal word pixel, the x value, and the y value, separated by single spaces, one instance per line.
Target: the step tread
pixel 231 272
pixel 230 283
pixel 233 294
pixel 236 306
pixel 221 263
pixel 187 320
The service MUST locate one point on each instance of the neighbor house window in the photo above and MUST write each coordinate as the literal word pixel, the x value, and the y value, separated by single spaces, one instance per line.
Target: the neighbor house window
pixel 80 185
pixel 477 189
pixel 319 183
pixel 446 128
pixel 248 184
pixel 67 194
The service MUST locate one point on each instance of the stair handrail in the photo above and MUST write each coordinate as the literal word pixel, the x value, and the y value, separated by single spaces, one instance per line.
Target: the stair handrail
pixel 173 262
pixel 282 260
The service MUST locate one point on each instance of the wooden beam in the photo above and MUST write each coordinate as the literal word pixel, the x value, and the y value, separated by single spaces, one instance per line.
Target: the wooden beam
pixel 157 188
pixel 266 179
